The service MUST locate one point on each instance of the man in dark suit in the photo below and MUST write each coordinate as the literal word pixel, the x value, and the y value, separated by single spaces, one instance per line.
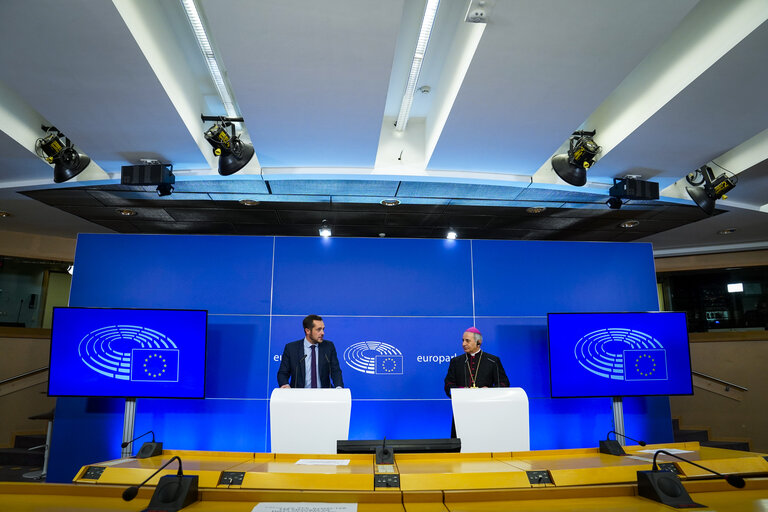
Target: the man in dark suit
pixel 475 368
pixel 310 362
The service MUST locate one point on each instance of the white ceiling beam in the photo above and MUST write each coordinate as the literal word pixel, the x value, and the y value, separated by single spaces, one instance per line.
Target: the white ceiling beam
pixel 710 30
pixel 409 151
pixel 22 123
pixel 146 22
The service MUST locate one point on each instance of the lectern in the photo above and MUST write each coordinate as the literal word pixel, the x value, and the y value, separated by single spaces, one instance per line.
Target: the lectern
pixel 491 419
pixel 309 420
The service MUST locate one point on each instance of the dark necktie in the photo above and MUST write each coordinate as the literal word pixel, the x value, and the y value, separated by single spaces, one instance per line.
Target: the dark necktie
pixel 313 362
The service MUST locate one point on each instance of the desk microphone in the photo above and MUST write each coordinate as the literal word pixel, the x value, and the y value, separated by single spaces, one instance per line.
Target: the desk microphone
pixel 173 492
pixel 612 447
pixel 149 449
pixel 665 487
pixel 137 438
pixel 641 443
pixel 735 480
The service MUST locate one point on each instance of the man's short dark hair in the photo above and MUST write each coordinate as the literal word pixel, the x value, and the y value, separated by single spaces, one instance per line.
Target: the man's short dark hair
pixel 309 321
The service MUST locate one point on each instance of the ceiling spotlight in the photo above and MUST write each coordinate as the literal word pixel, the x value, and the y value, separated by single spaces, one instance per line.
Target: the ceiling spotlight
pixel 535 209
pixel 248 202
pixel 629 224
pixel 325 229
pixel 233 153
pixel 572 167
pixel 614 203
pixel 390 202
pixel 4 214
pixel 67 161
pixel 727 231
pixel 451 235
pixel 713 189
pixel 126 212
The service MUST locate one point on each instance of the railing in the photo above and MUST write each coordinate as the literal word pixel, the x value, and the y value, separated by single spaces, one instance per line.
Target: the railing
pixel 719 386
pixel 23 381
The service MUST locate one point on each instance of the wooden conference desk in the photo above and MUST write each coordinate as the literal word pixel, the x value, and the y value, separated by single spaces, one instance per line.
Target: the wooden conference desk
pixel 582 479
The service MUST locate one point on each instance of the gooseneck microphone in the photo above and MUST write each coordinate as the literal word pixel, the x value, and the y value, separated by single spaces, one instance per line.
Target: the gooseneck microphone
pixel 665 487
pixel 608 437
pixel 172 493
pixel 133 490
pixel 137 438
pixel 735 480
pixel 296 368
pixel 496 364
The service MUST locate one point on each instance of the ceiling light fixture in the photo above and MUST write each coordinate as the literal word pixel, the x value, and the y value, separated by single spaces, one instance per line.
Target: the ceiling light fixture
pixel 430 11
pixel 127 212
pixel 4 214
pixel 325 229
pixel 629 224
pixel 451 235
pixel 67 161
pixel 390 202
pixel 572 167
pixel 248 202
pixel 727 231
pixel 713 189
pixel 201 35
pixel 233 153
pixel 535 209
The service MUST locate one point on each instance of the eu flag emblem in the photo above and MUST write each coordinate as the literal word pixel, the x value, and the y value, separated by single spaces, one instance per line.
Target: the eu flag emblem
pixel 155 365
pixel 645 364
pixel 389 365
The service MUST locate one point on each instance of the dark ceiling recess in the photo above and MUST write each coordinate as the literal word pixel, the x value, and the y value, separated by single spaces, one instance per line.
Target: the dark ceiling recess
pixel 192 210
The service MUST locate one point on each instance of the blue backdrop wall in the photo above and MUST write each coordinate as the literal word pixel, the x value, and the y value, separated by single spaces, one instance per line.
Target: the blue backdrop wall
pixel 416 295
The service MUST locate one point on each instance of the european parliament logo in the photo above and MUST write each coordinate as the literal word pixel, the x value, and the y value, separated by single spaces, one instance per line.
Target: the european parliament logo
pixel 622 354
pixel 130 352
pixel 374 358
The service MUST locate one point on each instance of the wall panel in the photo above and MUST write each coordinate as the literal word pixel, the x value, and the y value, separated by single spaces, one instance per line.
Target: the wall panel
pixel 414 296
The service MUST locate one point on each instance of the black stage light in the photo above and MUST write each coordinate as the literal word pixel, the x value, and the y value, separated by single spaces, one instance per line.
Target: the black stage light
pixel 67 161
pixel 233 153
pixel 572 167
pixel 713 189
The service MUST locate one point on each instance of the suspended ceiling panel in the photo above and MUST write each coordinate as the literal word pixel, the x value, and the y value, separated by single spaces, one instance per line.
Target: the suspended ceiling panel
pixel 78 65
pixel 540 69
pixel 310 77
pixel 719 110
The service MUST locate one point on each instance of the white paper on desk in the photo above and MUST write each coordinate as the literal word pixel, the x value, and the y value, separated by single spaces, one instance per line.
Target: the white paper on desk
pixel 323 462
pixel 644 459
pixel 304 507
pixel 670 450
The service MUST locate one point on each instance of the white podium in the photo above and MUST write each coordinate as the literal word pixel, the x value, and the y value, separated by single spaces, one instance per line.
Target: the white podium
pixel 491 419
pixel 309 420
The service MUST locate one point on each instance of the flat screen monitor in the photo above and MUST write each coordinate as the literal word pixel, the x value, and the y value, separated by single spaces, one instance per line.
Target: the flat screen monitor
pixel 619 354
pixel 132 353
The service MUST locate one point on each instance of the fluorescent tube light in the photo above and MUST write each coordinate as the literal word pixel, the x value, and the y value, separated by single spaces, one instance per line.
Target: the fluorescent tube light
pixel 418 58
pixel 190 8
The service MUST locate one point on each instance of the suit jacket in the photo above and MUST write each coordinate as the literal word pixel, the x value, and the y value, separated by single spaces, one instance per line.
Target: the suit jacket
pixel 490 373
pixel 292 366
